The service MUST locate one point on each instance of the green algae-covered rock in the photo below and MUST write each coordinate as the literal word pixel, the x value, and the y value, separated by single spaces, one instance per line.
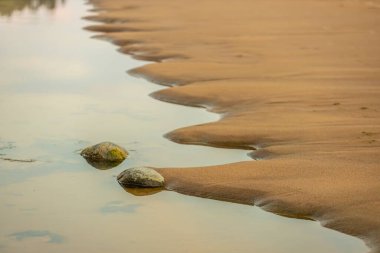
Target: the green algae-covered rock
pixel 104 155
pixel 140 177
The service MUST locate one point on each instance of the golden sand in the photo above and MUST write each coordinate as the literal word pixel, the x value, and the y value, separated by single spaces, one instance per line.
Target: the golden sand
pixel 299 81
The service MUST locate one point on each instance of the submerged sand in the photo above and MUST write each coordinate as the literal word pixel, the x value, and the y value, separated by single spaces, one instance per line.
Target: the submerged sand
pixel 297 82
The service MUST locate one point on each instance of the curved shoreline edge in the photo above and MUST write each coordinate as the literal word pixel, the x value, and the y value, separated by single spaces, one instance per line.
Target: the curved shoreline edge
pixel 299 79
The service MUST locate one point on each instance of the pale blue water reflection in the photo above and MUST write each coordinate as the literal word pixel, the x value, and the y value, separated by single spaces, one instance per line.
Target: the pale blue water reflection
pixel 52 237
pixel 119 206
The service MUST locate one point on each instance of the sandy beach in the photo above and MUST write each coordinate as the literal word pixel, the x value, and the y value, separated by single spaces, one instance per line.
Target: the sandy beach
pixel 297 85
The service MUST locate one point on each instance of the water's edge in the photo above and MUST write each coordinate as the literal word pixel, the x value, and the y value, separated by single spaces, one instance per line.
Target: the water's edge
pixel 135 72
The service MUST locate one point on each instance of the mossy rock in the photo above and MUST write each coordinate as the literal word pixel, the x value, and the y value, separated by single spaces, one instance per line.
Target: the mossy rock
pixel 141 177
pixel 104 155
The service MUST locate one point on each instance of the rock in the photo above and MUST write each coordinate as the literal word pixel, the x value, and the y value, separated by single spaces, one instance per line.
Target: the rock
pixel 104 155
pixel 140 177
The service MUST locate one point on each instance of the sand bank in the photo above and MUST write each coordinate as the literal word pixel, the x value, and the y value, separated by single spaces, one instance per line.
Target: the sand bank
pixel 299 81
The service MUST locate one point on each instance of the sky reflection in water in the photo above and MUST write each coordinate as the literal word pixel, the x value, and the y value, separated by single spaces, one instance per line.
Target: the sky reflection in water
pixel 53 238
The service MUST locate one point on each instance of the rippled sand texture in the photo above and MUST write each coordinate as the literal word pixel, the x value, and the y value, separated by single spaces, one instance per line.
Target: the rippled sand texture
pixel 298 80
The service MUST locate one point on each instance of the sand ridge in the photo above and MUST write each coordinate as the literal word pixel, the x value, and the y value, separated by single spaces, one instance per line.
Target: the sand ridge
pixel 299 81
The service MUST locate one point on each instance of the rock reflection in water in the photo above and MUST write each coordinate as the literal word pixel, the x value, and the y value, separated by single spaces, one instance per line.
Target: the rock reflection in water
pixel 7 7
pixel 103 165
pixel 143 191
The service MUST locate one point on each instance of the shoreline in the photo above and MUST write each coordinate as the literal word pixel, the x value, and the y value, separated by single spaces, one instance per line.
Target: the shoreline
pixel 306 94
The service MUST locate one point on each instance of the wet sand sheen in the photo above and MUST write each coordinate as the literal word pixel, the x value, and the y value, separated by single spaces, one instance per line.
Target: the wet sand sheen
pixel 60 204
pixel 299 79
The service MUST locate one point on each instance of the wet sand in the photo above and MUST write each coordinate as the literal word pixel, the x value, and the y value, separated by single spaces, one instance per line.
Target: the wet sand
pixel 298 81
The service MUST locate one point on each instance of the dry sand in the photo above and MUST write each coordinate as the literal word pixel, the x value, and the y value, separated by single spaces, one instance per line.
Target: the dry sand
pixel 299 80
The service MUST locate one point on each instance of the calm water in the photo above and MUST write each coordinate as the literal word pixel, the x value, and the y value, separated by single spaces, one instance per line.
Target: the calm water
pixel 60 91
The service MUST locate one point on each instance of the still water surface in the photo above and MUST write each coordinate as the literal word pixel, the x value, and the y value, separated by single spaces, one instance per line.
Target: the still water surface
pixel 61 91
